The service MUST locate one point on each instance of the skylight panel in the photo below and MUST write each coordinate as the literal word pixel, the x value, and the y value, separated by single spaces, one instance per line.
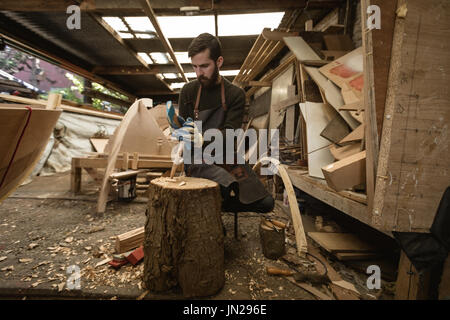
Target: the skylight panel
pixel 140 24
pixel 182 57
pixel 125 35
pixel 186 26
pixel 170 75
pixel 247 24
pixel 190 75
pixel 116 23
pixel 177 85
pixel 160 57
pixel 144 36
pixel 146 58
pixel 229 72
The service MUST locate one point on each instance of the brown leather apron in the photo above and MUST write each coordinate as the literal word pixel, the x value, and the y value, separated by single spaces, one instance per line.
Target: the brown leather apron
pixel 250 188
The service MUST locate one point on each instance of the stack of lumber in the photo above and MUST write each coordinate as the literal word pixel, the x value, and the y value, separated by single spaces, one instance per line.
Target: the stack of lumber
pixel 334 117
pixel 344 246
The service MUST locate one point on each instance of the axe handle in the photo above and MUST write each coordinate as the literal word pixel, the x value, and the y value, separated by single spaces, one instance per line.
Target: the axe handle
pixel 177 160
pixel 280 272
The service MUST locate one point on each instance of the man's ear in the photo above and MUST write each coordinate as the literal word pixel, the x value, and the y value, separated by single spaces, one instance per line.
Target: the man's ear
pixel 219 62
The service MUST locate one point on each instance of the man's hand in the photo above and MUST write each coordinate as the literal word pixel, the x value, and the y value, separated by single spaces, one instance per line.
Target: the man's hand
pixel 184 130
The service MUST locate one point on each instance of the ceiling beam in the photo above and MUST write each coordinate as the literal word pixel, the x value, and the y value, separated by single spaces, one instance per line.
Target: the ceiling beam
pixel 99 95
pixel 152 70
pixel 165 7
pixel 152 16
pixel 125 45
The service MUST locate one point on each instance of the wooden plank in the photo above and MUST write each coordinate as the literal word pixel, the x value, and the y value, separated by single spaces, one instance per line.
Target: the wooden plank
pixel 351 256
pixel 280 87
pixel 62 106
pixel 381 49
pixel 301 49
pixel 99 144
pixel 286 103
pixel 355 135
pixel 130 240
pixel 414 158
pixel 338 42
pixel 332 94
pixel 276 35
pixel 331 55
pixel 371 133
pixel 259 84
pixel 317 160
pixel 318 115
pixel 334 242
pixel 330 19
pixel 346 173
pixel 315 292
pixel 340 153
pixel 335 130
pixel 346 69
pixel 272 74
pixel 319 189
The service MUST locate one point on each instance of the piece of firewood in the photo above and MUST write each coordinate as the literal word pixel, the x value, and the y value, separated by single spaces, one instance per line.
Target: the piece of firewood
pixel 130 240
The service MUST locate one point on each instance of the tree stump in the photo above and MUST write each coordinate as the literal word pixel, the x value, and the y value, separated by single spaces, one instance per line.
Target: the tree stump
pixel 184 241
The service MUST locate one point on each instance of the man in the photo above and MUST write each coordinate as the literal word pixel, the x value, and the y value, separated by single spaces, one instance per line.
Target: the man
pixel 219 104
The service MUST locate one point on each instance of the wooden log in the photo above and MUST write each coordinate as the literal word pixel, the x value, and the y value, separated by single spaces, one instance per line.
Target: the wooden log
pixel 272 239
pixel 346 173
pixel 184 241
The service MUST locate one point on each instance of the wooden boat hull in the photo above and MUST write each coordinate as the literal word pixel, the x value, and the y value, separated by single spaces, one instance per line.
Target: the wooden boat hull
pixel 24 133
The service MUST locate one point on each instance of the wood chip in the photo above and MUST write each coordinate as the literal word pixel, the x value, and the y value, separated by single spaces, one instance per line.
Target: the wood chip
pixel 10 268
pixel 25 260
pixel 32 245
pixel 3 258
pixel 142 296
pixel 69 239
pixel 105 261
pixel 182 183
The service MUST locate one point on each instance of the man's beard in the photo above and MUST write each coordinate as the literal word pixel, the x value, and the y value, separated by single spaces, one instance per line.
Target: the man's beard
pixel 210 82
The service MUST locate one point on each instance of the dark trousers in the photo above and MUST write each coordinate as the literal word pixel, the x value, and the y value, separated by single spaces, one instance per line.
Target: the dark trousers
pixel 232 203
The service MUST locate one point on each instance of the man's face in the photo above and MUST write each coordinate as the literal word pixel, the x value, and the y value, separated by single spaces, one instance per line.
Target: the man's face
pixel 206 69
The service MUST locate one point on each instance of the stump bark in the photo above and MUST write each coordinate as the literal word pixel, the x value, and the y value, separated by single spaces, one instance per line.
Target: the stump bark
pixel 184 241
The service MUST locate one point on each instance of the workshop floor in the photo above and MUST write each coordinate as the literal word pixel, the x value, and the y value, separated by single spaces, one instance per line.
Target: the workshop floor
pixel 44 229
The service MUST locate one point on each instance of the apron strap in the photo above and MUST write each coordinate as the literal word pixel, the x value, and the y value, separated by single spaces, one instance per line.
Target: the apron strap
pixel 199 92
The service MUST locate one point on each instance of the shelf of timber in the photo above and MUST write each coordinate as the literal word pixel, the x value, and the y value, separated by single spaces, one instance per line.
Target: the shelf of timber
pixel 351 203
pixel 99 161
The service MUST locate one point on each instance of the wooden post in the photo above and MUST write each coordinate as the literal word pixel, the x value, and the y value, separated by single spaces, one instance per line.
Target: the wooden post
pixel 53 101
pixel 184 241
pixel 75 176
pixel 411 285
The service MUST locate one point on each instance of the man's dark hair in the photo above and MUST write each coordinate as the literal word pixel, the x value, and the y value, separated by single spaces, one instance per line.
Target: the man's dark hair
pixel 203 42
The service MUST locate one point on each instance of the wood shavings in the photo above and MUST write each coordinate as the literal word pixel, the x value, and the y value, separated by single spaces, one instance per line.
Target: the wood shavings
pixel 69 239
pixel 32 246
pixel 25 260
pixel 3 258
pixel 182 183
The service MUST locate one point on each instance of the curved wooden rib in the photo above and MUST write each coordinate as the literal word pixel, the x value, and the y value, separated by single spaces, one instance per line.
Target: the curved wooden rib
pixel 137 132
pixel 300 238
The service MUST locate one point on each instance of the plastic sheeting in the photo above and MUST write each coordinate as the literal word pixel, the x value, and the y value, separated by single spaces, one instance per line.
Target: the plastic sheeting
pixel 71 139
